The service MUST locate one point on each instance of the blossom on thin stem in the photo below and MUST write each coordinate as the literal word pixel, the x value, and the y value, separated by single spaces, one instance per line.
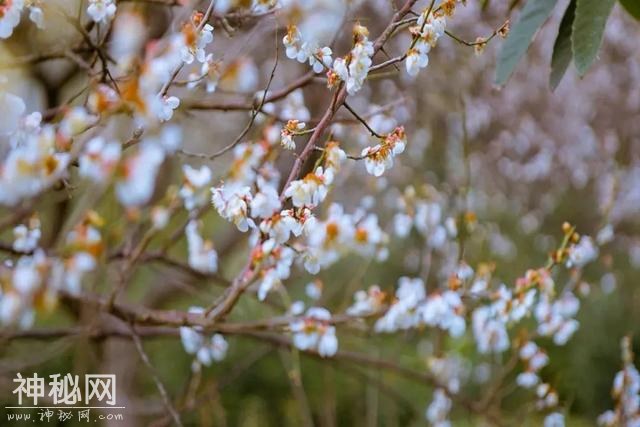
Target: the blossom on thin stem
pixel 292 128
pixel 206 349
pixel 302 51
pixel 354 68
pixel 196 39
pixel 379 158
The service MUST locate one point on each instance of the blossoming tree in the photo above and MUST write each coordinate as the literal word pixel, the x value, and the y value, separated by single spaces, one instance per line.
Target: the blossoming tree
pixel 299 178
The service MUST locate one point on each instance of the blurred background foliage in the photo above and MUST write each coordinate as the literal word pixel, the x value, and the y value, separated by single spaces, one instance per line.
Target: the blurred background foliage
pixel 575 128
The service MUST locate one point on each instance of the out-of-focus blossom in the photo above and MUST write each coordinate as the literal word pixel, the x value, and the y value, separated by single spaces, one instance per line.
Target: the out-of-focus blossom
pixel 367 302
pixel 445 312
pixel 314 332
pixel 241 75
pixel 582 253
pixel 557 318
pixel 314 289
pixel 10 11
pixel 76 121
pixel 625 392
pixel 202 256
pixel 26 237
pixel 101 11
pixel 403 314
pixel 31 166
pixel 209 75
pixel 554 419
pixel 490 331
pixel 102 99
pixel 194 188
pixel 36 15
pixel 205 349
pixel 438 411
pixel 294 108
pixel 127 38
pixel 99 159
pixel 137 177
pixel 12 108
pixel 266 202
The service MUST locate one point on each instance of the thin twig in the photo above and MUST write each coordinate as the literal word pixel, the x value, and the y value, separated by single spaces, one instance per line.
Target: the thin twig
pixel 159 385
pixel 361 120
pixel 254 114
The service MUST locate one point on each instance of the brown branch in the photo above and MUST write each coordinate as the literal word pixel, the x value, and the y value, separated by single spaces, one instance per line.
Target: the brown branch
pixel 244 279
pixel 249 106
pixel 254 114
pixel 358 359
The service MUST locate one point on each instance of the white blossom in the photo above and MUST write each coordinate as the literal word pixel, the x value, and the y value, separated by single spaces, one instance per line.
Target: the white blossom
pixel 196 40
pixel 438 411
pixel 354 71
pixel 135 187
pixel 313 290
pixel 26 237
pixel 101 11
pixel 379 158
pixel 205 349
pixel 582 253
pixel 10 12
pixel 320 59
pixel 554 419
pixel 202 255
pixel 311 190
pixel 193 191
pixel 314 332
pixel 232 203
pixel 489 331
pixel 99 159
pixel 366 302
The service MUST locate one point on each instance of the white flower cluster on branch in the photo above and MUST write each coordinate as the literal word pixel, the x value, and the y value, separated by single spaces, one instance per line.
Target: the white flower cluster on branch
pixel 188 159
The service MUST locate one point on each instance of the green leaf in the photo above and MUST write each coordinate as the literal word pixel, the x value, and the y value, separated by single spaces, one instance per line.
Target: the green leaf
pixel 562 54
pixel 633 7
pixel 533 15
pixel 588 28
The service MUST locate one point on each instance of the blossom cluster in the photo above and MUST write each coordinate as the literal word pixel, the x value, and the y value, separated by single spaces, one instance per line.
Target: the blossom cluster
pixel 283 204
